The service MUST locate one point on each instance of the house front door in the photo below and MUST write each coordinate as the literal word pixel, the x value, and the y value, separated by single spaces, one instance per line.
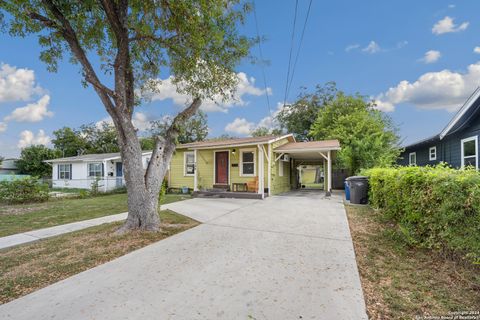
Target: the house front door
pixel 119 173
pixel 221 167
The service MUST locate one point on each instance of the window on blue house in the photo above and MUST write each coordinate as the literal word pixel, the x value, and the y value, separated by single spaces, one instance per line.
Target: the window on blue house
pixel 412 159
pixel 470 152
pixel 432 153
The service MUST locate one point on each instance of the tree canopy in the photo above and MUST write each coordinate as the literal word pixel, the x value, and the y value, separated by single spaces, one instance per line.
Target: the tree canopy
pixel 264 131
pixel 299 116
pixel 194 129
pixel 367 136
pixel 31 161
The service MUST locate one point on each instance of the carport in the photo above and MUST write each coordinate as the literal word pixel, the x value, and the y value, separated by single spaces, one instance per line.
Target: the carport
pixel 311 151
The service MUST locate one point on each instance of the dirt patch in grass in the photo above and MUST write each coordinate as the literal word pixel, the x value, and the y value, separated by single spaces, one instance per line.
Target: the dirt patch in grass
pixel 400 282
pixel 27 268
pixel 22 209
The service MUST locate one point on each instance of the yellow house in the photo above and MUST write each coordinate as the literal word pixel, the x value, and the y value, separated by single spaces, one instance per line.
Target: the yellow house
pixel 252 167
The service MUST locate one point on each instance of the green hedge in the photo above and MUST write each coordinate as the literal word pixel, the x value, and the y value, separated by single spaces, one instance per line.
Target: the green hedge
pixel 23 191
pixel 434 207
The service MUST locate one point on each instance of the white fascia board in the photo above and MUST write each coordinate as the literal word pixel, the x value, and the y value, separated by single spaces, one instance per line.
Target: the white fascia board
pixel 466 106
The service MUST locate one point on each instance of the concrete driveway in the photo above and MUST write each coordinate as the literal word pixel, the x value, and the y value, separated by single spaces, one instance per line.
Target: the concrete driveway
pixel 286 257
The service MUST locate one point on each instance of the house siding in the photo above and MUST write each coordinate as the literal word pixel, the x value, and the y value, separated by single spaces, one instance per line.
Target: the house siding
pixel 205 168
pixel 448 149
pixel 279 184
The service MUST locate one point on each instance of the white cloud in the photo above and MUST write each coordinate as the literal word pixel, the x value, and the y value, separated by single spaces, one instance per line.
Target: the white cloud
pixel 451 6
pixel 17 84
pixel 372 48
pixel 476 50
pixel 431 56
pixel 32 112
pixel 270 121
pixel 240 126
pixel 140 120
pixel 245 86
pixel 28 138
pixel 3 126
pixel 352 47
pixel 446 25
pixel 444 89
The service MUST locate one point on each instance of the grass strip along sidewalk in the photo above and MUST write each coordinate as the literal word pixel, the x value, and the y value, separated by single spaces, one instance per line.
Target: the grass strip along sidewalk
pixel 400 282
pixel 26 217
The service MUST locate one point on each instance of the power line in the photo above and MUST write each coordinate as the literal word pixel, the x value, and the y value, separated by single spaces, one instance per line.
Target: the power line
pixel 299 48
pixel 261 58
pixel 291 50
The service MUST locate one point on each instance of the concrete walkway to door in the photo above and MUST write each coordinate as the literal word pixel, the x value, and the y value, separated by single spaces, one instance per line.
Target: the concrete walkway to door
pixel 286 257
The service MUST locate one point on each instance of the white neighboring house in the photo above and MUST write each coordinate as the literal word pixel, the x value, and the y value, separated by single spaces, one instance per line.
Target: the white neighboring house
pixel 81 171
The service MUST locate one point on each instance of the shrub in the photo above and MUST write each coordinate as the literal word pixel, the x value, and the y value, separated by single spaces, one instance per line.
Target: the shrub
pixel 433 207
pixel 23 190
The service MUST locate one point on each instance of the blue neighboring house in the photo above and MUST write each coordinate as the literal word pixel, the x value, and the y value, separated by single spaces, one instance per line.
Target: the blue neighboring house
pixel 456 145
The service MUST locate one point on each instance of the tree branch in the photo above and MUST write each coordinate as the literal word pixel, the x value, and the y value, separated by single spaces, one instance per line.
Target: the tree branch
pixel 68 33
pixel 165 146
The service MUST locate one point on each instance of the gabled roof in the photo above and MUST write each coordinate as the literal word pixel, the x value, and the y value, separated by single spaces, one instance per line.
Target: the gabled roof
pixel 92 157
pixel 469 110
pixel 236 142
pixel 211 144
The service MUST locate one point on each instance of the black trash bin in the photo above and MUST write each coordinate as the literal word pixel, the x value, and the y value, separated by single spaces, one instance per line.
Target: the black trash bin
pixel 358 189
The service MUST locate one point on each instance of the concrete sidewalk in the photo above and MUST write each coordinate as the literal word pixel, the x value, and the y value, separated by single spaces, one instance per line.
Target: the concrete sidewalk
pixel 286 257
pixel 35 235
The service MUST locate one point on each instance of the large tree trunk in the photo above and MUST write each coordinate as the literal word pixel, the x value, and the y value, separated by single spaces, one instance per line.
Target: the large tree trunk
pixel 143 186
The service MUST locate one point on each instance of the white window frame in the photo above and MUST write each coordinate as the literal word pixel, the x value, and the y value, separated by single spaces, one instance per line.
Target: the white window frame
pixel 254 151
pixel 434 157
pixel 281 168
pixel 65 165
pixel 88 169
pixel 462 142
pixel 185 174
pixel 410 158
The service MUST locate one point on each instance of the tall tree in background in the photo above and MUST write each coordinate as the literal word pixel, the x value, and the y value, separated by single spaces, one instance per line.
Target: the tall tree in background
pixel 194 129
pixel 69 142
pixel 100 138
pixel 298 117
pixel 367 136
pixel 32 161
pixel 196 42
pixel 264 131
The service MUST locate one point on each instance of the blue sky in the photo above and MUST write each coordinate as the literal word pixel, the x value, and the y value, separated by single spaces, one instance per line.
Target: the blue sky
pixel 417 58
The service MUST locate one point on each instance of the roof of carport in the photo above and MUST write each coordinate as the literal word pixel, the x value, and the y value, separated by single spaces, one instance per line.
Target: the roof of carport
pixel 308 149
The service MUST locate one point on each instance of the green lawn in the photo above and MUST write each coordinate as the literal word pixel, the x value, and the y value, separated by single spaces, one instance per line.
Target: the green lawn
pixel 401 282
pixel 29 267
pixel 27 217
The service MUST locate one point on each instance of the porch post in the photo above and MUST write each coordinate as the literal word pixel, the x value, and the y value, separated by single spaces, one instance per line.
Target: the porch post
pixel 195 173
pixel 105 176
pixel 261 176
pixel 329 161
pixel 269 169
